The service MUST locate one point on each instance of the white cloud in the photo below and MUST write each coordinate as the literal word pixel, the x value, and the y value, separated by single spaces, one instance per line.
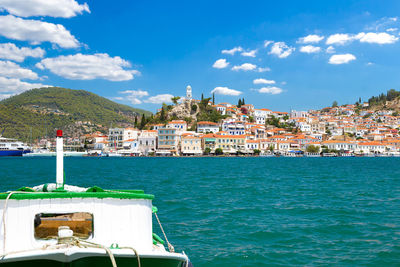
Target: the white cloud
pixel 12 52
pixel 133 96
pixel 4 96
pixel 36 31
pixel 341 59
pixel 273 90
pixel 370 37
pixel 251 53
pixel 309 49
pixel 377 38
pixel 159 99
pixel 12 70
pixel 281 50
pixel 260 69
pixel 263 81
pixel 225 91
pixel 220 63
pixel 391 29
pixel 89 67
pixel 232 51
pixel 340 39
pixel 370 64
pixel 52 8
pixel 245 67
pixel 330 50
pixel 310 39
pixel 14 86
pixel 267 43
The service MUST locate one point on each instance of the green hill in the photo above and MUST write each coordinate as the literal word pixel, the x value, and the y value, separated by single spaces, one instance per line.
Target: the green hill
pixel 38 112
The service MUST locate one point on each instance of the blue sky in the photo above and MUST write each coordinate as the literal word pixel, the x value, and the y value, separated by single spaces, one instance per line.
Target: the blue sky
pixel 282 56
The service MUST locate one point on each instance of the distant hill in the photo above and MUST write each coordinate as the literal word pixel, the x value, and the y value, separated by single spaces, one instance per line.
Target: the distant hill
pixel 42 110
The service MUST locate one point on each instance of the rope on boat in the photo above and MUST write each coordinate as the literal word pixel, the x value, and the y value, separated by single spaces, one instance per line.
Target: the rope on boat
pixel 170 247
pixel 4 217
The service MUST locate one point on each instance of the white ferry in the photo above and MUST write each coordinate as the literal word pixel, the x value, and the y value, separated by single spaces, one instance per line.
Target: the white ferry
pixel 12 147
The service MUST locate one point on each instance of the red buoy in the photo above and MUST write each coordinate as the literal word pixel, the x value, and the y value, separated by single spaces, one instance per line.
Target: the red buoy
pixel 59 133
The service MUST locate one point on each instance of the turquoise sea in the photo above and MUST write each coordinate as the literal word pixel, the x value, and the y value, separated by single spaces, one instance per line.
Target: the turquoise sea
pixel 253 211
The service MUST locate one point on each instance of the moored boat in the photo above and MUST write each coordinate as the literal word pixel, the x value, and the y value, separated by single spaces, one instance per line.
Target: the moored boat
pixel 61 225
pixel 12 147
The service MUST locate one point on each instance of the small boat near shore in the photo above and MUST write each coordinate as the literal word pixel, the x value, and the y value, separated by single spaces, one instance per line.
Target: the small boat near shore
pixel 61 225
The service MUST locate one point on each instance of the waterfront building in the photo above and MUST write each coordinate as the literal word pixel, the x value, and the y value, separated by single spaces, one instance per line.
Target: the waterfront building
pixel 147 141
pixel 191 145
pixel 230 144
pixel 168 141
pixel 117 136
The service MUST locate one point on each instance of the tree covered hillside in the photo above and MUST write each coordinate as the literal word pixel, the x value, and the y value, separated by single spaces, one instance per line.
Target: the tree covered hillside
pixel 46 109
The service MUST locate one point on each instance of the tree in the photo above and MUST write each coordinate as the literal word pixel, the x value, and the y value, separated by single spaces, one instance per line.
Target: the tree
pixel 136 121
pixel 207 151
pixel 243 103
pixel 202 96
pixel 213 99
pixel 359 100
pixel 271 148
pixel 312 149
pixel 175 99
pixel 162 114
pixel 285 118
pixel 142 122
pixel 194 108
pixel 239 103
pixel 243 110
pixel 257 151
pixel 251 119
pixel 334 104
pixel 219 151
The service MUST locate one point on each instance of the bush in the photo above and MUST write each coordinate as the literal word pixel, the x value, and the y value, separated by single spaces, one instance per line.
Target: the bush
pixel 219 151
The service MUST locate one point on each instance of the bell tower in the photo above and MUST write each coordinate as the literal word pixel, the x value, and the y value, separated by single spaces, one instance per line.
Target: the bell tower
pixel 188 93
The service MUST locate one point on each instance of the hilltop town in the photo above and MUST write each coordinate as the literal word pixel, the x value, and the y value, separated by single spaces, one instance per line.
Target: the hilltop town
pixel 243 129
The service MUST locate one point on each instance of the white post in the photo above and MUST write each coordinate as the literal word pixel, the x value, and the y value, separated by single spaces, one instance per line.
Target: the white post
pixel 60 159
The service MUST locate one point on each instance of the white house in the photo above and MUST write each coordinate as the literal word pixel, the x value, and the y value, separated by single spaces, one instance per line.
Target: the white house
pixel 207 127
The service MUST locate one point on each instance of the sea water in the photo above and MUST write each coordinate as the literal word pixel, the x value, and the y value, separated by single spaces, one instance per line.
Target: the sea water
pixel 252 211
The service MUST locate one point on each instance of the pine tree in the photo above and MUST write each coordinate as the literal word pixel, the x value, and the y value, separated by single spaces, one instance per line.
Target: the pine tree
pixel 202 96
pixel 239 103
pixel 243 103
pixel 213 99
pixel 143 122
pixel 135 121
pixel 162 114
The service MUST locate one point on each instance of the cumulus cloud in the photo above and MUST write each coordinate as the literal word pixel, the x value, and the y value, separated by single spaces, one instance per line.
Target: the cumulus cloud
pixel 309 49
pixel 225 91
pixel 159 99
pixel 52 8
pixel 281 50
pixel 12 70
pixel 232 51
pixel 370 37
pixel 310 39
pixel 12 52
pixel 14 86
pixel 220 63
pixel 273 90
pixel 244 67
pixel 89 67
pixel 36 31
pixel 339 39
pixel 260 69
pixel 263 81
pixel 251 53
pixel 133 96
pixel 377 38
pixel 341 59
pixel 330 50
pixel 391 29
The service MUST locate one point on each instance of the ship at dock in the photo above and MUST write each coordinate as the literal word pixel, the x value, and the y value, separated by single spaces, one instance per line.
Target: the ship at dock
pixel 12 147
